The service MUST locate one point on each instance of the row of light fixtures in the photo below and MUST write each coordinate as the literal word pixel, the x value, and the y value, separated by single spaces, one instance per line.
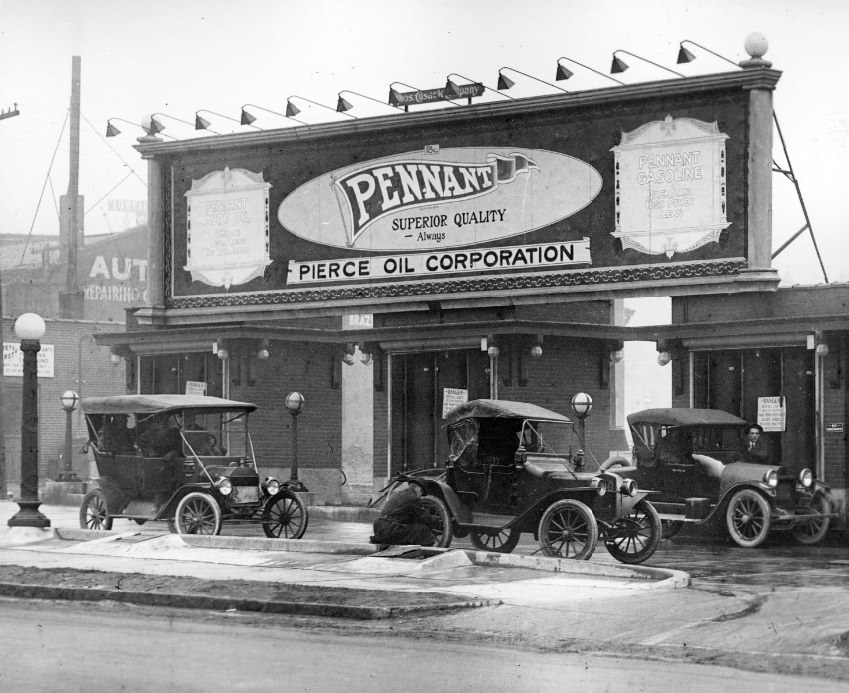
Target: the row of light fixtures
pixel 153 124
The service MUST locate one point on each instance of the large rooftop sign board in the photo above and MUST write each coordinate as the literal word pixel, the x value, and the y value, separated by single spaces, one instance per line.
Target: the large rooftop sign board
pixel 540 196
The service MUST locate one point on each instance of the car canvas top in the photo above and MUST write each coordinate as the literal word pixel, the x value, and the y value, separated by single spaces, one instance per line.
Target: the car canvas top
pixel 155 404
pixel 685 417
pixel 504 409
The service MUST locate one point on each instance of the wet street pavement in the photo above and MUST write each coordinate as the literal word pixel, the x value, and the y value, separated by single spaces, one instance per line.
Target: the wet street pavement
pixel 782 608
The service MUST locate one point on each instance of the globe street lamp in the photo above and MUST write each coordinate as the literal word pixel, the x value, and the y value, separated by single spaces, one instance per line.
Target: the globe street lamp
pixel 295 405
pixel 29 328
pixel 69 400
pixel 582 405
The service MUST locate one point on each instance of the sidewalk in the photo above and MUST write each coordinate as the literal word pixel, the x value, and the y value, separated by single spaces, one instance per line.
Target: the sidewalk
pixel 279 575
pixel 595 606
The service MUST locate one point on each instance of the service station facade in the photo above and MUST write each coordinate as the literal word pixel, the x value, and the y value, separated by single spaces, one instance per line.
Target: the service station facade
pixel 390 267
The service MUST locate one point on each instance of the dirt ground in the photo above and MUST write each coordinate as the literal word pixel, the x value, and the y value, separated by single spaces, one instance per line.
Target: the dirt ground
pixel 66 578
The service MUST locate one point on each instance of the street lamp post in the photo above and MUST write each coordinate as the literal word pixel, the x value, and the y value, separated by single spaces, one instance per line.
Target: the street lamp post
pixel 295 405
pixel 582 405
pixel 493 352
pixel 29 328
pixel 69 400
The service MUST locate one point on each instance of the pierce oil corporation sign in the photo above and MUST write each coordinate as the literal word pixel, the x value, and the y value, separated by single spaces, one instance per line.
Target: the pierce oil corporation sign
pixel 542 196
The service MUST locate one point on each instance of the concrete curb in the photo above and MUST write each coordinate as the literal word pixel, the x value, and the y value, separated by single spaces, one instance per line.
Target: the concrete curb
pixel 663 578
pixel 653 578
pixel 192 601
pixel 340 513
pixel 237 543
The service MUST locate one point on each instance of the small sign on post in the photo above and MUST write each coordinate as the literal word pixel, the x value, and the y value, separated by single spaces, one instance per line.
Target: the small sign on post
pixel 195 387
pixel 771 414
pixel 452 398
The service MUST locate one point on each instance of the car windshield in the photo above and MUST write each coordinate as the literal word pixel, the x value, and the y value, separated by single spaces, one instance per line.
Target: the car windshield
pixel 548 437
pixel 716 440
pixel 215 432
pixel 462 440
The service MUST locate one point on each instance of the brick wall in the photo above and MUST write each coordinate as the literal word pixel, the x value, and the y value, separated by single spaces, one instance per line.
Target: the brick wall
pixel 305 368
pixel 567 366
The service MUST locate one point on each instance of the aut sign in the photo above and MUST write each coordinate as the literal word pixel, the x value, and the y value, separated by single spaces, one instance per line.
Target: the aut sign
pixel 454 197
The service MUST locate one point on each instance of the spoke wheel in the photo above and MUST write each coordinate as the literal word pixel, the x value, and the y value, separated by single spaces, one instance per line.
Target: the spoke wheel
pixel 439 520
pixel 285 516
pixel 670 528
pixel 93 511
pixel 635 537
pixel 747 518
pixel 813 531
pixel 198 513
pixel 501 542
pixel 568 530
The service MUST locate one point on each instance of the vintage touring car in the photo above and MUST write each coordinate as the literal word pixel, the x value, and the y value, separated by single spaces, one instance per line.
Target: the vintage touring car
pixel 692 458
pixel 515 467
pixel 186 459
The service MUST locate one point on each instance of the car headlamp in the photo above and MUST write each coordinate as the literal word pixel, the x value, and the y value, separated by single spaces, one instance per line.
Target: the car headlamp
pixel 806 478
pixel 628 488
pixel 272 486
pixel 600 484
pixel 771 478
pixel 225 486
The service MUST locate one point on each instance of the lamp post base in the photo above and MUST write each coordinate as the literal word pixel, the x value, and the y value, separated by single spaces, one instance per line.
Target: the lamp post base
pixel 28 515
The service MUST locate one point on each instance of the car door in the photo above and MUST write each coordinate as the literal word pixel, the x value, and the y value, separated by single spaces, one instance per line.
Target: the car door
pixel 679 471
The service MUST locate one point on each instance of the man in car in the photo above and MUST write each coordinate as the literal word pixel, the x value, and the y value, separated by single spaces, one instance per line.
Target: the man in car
pixel 754 448
pixel 404 520
pixel 160 438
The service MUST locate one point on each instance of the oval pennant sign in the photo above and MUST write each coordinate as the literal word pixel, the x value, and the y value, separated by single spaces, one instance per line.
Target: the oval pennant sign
pixel 439 198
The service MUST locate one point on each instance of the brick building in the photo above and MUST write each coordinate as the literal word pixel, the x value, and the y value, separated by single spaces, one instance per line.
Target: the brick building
pixel 777 358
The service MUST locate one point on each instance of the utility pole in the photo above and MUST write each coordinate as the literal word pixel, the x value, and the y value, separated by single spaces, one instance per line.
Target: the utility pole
pixel 5 113
pixel 71 300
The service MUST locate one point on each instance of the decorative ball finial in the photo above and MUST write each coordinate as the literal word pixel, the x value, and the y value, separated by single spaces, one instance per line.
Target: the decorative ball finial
pixel 756 45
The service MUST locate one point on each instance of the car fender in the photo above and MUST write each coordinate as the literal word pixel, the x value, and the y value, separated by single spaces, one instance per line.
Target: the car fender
pixel 115 498
pixel 584 494
pixel 627 503
pixel 434 487
pixel 617 464
pixel 739 474
pixel 821 487
pixel 767 491
pixel 166 512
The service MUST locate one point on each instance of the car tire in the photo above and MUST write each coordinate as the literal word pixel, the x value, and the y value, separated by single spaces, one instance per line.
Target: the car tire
pixel 94 513
pixel 814 531
pixel 638 534
pixel 669 528
pixel 285 516
pixel 748 518
pixel 198 513
pixel 501 542
pixel 568 529
pixel 439 520
pixel 612 463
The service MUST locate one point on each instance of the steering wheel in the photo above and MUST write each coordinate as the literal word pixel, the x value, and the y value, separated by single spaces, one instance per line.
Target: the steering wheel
pixel 205 444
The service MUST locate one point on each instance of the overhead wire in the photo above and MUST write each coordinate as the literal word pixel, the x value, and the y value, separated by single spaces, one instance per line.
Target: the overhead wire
pixel 43 187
